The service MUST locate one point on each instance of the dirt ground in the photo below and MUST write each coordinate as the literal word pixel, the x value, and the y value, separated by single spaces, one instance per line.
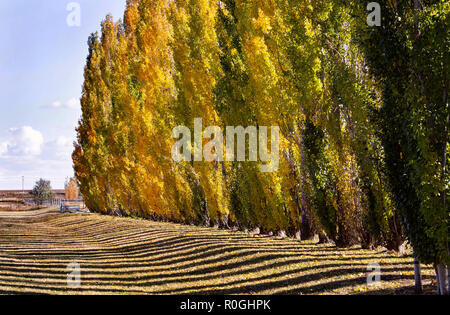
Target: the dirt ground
pixel 129 256
pixel 15 206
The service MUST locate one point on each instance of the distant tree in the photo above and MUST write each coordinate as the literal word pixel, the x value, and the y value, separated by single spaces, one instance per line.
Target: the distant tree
pixel 42 191
pixel 72 189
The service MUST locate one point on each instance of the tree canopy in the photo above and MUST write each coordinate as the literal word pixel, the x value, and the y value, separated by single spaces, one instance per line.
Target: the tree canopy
pixel 363 115
pixel 42 191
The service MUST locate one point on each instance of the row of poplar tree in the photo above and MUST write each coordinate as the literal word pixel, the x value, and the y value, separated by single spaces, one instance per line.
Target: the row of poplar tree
pixel 363 115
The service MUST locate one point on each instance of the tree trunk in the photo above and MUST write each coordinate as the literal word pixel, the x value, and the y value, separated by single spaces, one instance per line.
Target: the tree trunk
pixel 417 276
pixel 323 238
pixel 437 279
pixel 307 230
pixel 442 279
pixel 448 278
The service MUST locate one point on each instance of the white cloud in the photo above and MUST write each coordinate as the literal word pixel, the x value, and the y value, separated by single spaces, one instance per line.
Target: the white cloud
pixel 24 141
pixel 60 149
pixel 73 103
pixel 3 148
pixel 12 170
pixel 56 104
pixel 23 152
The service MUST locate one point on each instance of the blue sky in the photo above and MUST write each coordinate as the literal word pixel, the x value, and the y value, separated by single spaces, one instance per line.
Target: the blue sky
pixel 41 73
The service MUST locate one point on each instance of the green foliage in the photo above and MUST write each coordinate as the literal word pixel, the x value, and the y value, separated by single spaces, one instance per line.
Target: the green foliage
pixel 364 130
pixel 408 56
pixel 42 191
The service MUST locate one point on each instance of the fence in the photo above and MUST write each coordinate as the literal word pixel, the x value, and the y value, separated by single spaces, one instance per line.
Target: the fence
pixel 72 206
pixel 54 202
